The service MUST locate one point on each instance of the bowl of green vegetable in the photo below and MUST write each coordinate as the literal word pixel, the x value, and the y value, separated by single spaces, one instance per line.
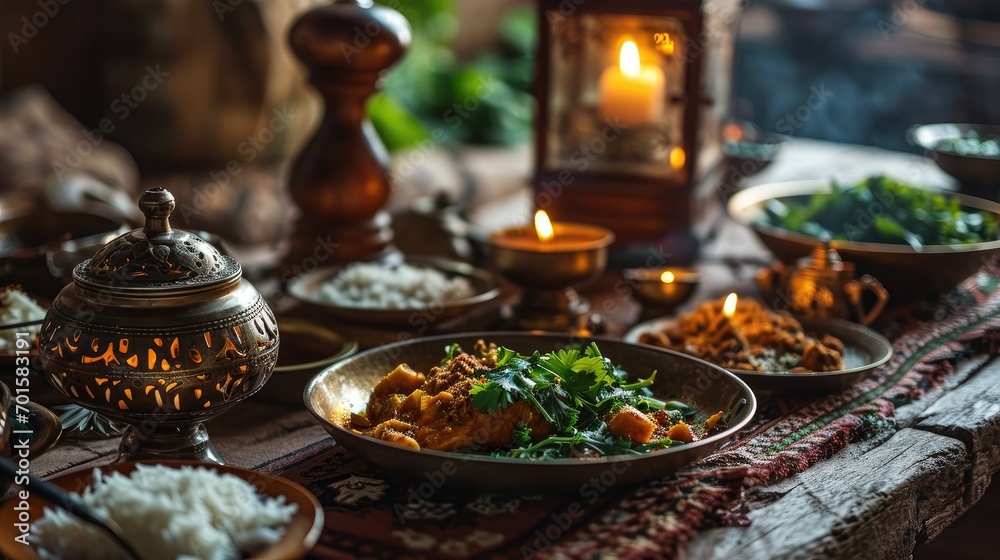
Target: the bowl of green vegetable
pixel 967 152
pixel 917 242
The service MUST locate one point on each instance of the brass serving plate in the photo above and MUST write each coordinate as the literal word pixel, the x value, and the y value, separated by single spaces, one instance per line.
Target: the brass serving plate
pixel 300 535
pixel 708 387
pixel 907 274
pixel 484 284
pixel 864 350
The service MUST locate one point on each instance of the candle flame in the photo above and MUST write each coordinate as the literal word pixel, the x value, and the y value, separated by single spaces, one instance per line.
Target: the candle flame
pixel 667 277
pixel 628 60
pixel 729 307
pixel 543 226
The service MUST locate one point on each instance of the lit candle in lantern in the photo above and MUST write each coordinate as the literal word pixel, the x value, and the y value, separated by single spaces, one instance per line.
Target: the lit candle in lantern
pixel 631 93
pixel 667 277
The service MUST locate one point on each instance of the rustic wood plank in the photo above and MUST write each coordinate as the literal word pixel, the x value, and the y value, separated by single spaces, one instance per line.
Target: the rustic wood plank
pixel 858 504
pixel 971 414
pixel 908 415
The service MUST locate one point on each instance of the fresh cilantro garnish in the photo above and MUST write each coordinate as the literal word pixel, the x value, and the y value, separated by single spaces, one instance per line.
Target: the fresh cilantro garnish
pixel 574 390
pixel 521 435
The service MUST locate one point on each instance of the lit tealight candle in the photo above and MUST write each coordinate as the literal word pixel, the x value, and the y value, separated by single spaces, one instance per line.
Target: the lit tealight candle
pixel 543 226
pixel 549 237
pixel 729 309
pixel 548 259
pixel 631 93
pixel 667 277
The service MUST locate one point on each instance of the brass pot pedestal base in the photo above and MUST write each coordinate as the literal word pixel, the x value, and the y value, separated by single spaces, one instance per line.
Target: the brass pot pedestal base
pixel 163 443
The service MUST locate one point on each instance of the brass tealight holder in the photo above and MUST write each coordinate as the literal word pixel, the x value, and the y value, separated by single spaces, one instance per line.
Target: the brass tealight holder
pixel 549 260
pixel 661 290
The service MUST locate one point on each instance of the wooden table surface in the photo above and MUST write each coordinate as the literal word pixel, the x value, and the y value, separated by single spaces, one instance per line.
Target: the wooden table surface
pixel 876 499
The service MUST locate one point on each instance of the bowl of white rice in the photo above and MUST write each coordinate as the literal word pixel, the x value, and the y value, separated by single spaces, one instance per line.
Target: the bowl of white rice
pixel 411 292
pixel 173 510
pixel 17 307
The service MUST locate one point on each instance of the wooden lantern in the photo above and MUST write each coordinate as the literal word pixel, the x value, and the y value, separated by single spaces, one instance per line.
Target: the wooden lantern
pixel 632 96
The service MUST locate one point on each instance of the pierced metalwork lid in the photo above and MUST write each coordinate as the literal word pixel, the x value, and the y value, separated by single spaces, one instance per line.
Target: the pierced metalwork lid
pixel 157 257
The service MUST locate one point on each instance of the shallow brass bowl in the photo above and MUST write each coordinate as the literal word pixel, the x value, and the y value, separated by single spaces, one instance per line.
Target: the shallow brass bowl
pixel 907 274
pixel 978 174
pixel 710 388
pixel 484 284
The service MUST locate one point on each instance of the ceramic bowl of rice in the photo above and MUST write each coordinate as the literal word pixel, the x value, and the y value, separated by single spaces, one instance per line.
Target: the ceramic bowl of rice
pixel 17 307
pixel 410 292
pixel 172 509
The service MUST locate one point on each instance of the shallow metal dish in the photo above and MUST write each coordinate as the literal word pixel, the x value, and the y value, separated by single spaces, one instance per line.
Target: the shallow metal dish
pixel 24 424
pixel 710 388
pixel 299 537
pixel 306 348
pixel 44 425
pixel 864 350
pixel 907 274
pixel 484 284
pixel 978 174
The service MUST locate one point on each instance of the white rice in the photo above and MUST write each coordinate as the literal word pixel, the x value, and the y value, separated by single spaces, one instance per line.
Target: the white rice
pixel 168 513
pixel 403 286
pixel 17 307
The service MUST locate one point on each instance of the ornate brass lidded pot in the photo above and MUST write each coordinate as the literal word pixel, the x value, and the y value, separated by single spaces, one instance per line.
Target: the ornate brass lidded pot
pixel 159 331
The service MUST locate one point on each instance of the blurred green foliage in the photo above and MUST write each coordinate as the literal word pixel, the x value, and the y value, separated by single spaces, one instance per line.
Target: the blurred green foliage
pixel 432 94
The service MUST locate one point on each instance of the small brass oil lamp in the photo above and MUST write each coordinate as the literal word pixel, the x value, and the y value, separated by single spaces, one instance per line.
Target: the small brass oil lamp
pixel 161 332
pixel 661 290
pixel 549 260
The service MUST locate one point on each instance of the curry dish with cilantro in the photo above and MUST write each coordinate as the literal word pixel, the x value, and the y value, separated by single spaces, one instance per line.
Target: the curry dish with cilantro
pixel 571 403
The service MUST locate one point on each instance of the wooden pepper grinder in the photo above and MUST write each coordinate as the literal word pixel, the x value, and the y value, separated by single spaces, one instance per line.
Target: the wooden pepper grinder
pixel 339 180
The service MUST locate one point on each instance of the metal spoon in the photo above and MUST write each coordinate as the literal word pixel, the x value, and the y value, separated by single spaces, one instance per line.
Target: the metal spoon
pixel 64 500
pixel 21 325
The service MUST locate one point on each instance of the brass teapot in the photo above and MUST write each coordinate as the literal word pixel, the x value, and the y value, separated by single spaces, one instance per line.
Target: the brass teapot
pixel 823 285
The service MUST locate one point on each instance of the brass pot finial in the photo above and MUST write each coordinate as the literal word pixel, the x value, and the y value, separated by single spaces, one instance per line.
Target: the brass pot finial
pixel 156 204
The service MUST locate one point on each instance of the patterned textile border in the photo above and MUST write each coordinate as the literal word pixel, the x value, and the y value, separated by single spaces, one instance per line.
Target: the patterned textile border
pixel 372 517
